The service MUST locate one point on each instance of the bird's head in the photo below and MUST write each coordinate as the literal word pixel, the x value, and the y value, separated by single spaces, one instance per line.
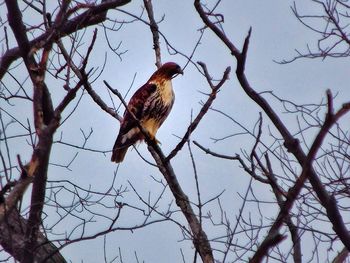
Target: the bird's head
pixel 169 70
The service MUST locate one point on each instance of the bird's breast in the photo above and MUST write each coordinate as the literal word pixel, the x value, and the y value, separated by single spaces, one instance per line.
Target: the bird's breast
pixel 166 92
pixel 158 106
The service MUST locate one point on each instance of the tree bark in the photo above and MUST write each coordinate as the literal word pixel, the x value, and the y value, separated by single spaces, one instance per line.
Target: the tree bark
pixel 13 230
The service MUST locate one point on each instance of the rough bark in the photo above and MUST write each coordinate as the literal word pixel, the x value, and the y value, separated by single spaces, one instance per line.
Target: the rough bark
pixel 12 239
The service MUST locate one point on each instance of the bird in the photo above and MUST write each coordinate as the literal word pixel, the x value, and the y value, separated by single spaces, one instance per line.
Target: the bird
pixel 151 105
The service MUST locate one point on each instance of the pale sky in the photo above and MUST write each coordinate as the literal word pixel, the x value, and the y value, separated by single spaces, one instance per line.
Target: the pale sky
pixel 276 34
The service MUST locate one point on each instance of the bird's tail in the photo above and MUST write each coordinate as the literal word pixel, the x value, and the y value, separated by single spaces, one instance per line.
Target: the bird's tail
pixel 122 144
pixel 119 154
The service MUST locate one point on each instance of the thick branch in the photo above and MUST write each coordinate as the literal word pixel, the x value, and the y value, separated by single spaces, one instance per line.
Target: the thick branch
pixel 299 184
pixel 42 107
pixel 214 28
pixel 292 144
pixel 15 195
pixel 94 15
pixel 12 239
pixel 342 256
pixel 200 239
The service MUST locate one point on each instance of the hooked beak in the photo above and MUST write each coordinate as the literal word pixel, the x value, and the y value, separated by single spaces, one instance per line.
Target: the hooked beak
pixel 178 72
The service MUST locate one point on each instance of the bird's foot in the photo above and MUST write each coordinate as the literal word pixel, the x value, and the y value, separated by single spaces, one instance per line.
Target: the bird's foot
pixel 153 138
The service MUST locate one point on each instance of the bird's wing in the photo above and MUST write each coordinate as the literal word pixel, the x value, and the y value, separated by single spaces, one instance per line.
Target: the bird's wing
pixel 138 104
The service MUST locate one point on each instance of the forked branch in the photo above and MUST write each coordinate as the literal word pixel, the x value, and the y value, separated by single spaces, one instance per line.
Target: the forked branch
pixel 292 144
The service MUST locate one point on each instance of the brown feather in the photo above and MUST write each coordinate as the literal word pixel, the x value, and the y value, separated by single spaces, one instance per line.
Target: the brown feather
pixel 119 154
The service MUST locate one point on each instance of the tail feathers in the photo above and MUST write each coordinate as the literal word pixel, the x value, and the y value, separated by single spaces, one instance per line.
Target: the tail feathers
pixel 119 154
pixel 123 142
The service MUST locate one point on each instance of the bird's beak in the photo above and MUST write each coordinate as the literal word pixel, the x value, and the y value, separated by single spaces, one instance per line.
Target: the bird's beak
pixel 180 71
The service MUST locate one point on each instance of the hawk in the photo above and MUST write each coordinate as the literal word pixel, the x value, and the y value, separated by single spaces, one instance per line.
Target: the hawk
pixel 151 104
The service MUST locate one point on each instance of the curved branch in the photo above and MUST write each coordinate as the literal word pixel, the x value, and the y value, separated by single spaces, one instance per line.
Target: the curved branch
pixel 94 15
pixel 200 239
pixel 203 111
pixel 293 192
pixel 292 144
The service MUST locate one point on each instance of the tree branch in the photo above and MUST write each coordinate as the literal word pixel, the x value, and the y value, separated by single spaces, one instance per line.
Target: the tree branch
pixel 154 29
pixel 292 145
pixel 203 111
pixel 94 15
pixel 200 239
pixel 13 238
pixel 294 191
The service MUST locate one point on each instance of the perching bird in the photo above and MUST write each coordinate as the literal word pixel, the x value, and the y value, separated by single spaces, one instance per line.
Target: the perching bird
pixel 150 104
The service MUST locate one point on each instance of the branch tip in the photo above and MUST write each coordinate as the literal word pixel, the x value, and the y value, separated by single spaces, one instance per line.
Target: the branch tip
pixel 330 102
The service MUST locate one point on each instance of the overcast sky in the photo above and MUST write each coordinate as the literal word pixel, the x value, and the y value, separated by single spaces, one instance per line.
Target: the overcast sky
pixel 276 34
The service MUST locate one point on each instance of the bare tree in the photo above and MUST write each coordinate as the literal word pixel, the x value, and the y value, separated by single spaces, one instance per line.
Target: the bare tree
pixel 290 144
pixel 329 22
pixel 47 70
